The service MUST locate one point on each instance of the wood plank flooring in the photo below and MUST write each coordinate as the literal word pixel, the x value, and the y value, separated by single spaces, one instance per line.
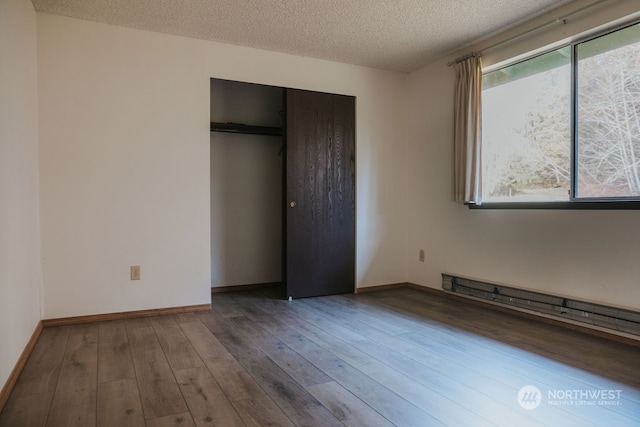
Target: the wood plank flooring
pixel 396 357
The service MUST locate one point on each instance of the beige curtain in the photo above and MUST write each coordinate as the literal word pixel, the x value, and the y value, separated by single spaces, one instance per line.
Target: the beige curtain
pixel 467 131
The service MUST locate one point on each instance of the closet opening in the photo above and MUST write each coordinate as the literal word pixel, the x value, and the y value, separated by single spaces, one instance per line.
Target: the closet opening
pixel 282 190
pixel 247 164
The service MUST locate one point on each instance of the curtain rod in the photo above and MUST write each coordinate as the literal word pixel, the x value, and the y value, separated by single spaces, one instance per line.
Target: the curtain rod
pixel 560 20
pixel 463 58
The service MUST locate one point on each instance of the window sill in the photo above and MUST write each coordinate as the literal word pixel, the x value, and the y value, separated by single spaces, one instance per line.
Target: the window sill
pixel 600 205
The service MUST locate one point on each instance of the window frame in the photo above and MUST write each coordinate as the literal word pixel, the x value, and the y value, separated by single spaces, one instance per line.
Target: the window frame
pixel 582 203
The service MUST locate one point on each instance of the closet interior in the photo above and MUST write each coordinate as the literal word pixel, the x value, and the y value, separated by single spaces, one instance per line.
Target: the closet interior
pixel 246 183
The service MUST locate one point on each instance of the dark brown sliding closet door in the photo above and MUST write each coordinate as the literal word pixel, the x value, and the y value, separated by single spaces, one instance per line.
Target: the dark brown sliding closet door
pixel 320 193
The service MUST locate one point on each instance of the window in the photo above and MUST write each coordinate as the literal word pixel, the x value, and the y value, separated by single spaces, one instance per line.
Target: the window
pixel 565 126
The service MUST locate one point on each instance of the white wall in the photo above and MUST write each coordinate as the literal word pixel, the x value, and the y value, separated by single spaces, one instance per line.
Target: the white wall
pixel 125 162
pixel 591 255
pixel 381 148
pixel 246 186
pixel 20 274
pixel 125 169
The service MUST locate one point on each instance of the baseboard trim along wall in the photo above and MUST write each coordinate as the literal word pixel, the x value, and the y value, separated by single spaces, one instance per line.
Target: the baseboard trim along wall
pixel 367 289
pixel 380 288
pixel 240 288
pixel 391 286
pixel 17 370
pixel 123 315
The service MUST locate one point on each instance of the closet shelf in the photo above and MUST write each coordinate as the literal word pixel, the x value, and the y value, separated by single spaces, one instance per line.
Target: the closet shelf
pixel 247 129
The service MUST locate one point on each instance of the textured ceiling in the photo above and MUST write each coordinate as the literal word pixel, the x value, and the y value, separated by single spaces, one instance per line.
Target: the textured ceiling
pixel 400 35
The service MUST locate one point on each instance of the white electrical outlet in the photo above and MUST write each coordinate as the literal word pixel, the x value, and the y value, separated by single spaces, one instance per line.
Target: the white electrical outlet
pixel 135 272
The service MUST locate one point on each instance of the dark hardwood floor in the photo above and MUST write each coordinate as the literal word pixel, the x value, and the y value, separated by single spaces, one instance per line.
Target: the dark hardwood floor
pixel 398 357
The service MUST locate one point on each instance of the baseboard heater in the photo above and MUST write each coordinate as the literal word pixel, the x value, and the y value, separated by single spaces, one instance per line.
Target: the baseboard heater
pixel 601 316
